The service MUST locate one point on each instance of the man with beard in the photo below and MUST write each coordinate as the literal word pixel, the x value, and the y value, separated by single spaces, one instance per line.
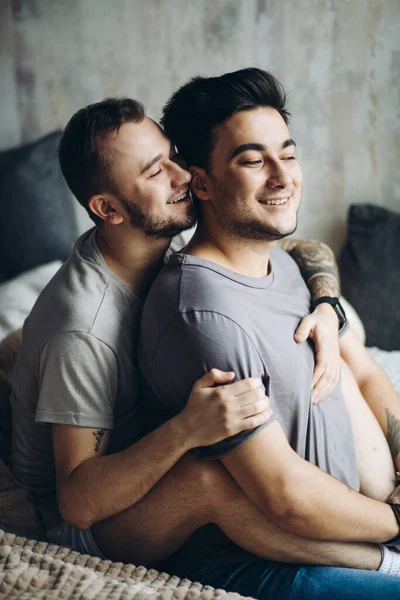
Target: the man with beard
pixel 231 300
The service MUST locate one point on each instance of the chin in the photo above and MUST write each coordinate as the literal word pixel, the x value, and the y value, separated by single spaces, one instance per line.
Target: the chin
pixel 283 230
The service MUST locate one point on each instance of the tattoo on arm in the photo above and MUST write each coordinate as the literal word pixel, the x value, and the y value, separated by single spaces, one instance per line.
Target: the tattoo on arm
pixel 317 265
pixel 99 434
pixel 393 434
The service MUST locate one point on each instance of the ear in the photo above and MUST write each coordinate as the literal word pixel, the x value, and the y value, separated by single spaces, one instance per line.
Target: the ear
pixel 200 184
pixel 102 206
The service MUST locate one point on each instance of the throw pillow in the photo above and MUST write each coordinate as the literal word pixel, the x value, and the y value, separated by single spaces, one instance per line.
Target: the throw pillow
pixel 18 295
pixel 37 220
pixel 370 272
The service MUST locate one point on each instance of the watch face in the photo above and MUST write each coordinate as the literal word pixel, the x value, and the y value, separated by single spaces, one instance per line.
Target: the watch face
pixel 340 311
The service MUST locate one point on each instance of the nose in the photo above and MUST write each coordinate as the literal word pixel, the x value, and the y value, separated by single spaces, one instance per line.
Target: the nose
pixel 278 176
pixel 179 176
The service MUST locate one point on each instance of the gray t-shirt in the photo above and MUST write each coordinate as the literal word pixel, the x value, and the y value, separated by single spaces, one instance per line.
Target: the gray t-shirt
pixel 199 315
pixel 77 366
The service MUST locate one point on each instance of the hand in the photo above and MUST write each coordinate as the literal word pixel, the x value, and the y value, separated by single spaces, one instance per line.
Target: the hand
pixel 213 413
pixel 394 497
pixel 322 327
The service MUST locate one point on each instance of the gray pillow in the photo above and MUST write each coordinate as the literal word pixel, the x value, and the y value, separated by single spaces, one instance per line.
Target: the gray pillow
pixel 37 221
pixel 370 272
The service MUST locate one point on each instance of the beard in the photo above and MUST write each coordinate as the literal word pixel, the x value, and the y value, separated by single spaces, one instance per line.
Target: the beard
pixel 241 223
pixel 155 227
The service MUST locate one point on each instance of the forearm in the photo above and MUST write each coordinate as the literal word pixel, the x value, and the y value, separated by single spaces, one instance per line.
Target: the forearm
pixel 384 402
pixel 104 486
pixel 317 265
pixel 299 497
pixel 326 509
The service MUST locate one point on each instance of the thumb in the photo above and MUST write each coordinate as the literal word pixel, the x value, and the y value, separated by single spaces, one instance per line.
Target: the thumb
pixel 303 330
pixel 213 377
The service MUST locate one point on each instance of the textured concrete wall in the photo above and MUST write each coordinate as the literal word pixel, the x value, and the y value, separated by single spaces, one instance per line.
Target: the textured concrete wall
pixel 338 59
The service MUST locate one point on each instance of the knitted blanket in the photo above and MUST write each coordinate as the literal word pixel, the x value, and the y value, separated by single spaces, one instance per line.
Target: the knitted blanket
pixel 33 570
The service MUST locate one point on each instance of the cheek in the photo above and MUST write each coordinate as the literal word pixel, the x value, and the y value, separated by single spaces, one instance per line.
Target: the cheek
pixel 157 197
pixel 298 175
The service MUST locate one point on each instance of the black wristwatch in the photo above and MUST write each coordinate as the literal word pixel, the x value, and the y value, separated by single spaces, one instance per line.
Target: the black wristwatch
pixel 396 540
pixel 337 307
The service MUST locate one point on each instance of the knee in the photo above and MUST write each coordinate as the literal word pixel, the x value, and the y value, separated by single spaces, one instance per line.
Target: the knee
pixel 205 475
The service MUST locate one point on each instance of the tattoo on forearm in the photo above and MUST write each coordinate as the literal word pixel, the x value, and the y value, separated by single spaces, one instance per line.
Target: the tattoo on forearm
pixel 99 434
pixel 317 265
pixel 393 434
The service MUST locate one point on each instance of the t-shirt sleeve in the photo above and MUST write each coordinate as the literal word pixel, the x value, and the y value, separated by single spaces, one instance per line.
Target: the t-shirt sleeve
pixel 78 381
pixel 191 345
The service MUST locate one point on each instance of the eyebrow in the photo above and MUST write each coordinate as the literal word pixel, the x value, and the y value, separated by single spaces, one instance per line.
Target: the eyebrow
pixel 151 163
pixel 258 147
pixel 154 160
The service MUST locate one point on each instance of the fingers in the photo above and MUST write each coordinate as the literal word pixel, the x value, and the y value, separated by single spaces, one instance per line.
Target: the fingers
pixel 303 331
pixel 326 377
pixel 213 377
pixel 243 386
pixel 319 370
pixel 257 402
pixel 394 497
pixel 257 420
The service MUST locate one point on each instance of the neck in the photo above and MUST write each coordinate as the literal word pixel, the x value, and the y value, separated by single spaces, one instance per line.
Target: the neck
pixel 247 257
pixel 132 256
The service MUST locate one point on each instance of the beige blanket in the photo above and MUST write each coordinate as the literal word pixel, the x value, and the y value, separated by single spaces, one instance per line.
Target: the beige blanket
pixel 33 570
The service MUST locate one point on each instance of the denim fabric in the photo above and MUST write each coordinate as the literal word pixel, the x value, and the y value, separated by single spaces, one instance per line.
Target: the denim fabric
pixel 276 581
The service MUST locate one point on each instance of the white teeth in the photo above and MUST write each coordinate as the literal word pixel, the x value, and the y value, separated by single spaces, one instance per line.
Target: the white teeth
pixel 274 202
pixel 178 199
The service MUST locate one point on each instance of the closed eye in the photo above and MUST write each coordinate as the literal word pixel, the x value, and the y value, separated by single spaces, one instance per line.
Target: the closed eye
pixel 289 158
pixel 251 162
pixel 155 174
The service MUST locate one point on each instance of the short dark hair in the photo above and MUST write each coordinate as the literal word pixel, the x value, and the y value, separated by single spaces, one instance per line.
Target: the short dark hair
pixel 193 114
pixel 84 160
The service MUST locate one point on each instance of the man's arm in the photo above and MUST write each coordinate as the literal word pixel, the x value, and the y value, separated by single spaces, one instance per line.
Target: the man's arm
pixel 92 486
pixel 319 270
pixel 301 498
pixel 317 265
pixel 376 388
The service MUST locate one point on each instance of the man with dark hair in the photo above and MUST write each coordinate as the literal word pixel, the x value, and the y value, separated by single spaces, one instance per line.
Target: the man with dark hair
pixel 231 299
pixel 79 443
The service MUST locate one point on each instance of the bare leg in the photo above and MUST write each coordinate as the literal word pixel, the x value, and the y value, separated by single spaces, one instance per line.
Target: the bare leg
pixel 374 460
pixel 195 493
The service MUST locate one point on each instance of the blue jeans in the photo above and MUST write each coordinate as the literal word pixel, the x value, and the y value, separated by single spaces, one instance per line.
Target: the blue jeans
pixel 267 580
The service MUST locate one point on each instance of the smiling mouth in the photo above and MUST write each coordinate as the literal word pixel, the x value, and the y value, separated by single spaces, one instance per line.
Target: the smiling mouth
pixel 180 198
pixel 277 202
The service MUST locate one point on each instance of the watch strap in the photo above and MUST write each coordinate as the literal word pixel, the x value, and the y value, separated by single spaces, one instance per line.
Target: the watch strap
pixel 337 307
pixel 396 540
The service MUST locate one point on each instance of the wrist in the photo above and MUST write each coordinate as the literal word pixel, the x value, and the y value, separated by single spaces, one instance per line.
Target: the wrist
pixel 337 308
pixel 327 309
pixel 180 429
pixel 395 540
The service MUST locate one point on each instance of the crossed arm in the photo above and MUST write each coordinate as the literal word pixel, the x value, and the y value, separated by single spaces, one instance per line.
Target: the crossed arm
pixel 291 492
